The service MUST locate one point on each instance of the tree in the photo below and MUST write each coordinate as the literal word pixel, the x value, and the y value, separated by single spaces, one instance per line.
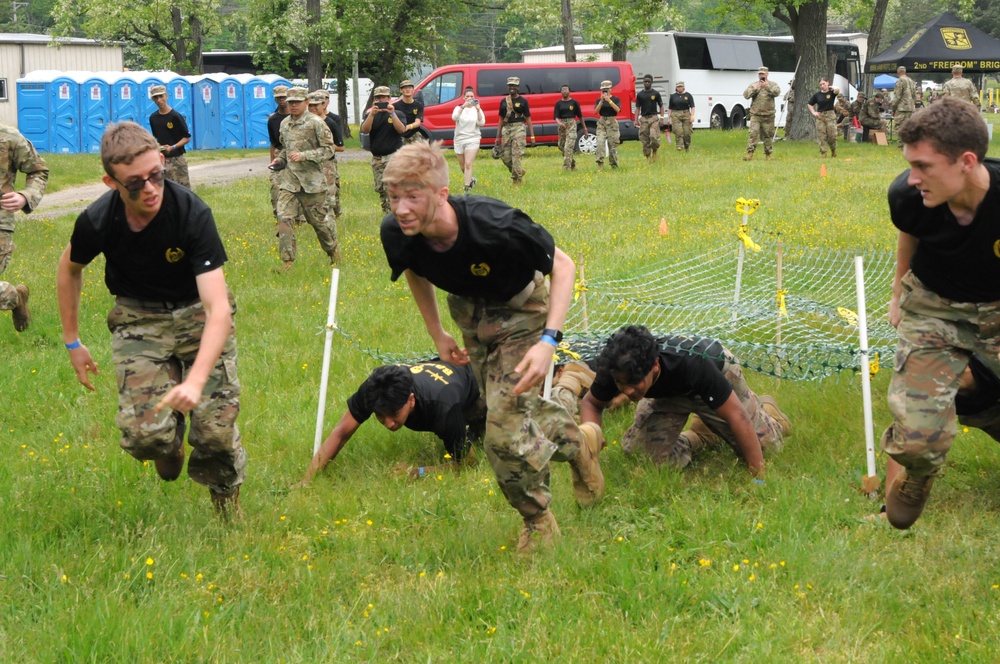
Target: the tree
pixel 567 26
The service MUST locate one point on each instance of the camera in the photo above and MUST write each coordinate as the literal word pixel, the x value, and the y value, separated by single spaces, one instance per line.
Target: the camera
pixel 475 102
pixel 381 104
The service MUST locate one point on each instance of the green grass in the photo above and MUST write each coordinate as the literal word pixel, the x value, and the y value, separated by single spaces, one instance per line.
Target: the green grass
pixel 693 565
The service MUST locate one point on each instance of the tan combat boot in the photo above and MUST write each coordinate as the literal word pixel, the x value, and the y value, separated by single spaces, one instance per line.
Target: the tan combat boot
pixel 906 497
pixel 698 435
pixel 227 505
pixel 21 316
pixel 588 480
pixel 577 377
pixel 540 530
pixel 748 156
pixel 770 407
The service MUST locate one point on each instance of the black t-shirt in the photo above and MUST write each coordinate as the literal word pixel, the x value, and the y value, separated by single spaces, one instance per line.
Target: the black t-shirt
pixel 649 102
pixel 409 113
pixel 383 139
pixel 521 110
pixel 336 128
pixel 168 128
pixel 274 128
pixel 606 110
pixel 682 101
pixel 442 392
pixel 689 366
pixel 823 101
pixel 161 261
pixel 498 250
pixel 961 263
pixel 985 395
pixel 566 109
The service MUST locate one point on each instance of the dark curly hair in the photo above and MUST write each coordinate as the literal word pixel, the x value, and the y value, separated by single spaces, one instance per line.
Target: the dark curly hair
pixel 631 351
pixel 387 389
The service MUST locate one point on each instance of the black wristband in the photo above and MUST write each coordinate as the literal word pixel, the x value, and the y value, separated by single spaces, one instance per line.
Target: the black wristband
pixel 555 334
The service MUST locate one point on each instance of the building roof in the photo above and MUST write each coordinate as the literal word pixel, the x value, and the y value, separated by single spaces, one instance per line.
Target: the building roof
pixel 585 48
pixel 28 38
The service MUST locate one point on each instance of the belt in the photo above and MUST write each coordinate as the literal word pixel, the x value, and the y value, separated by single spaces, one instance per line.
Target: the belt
pixel 155 304
pixel 651 115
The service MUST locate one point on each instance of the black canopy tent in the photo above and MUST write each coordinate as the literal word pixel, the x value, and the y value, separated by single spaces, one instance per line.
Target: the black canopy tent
pixel 937 46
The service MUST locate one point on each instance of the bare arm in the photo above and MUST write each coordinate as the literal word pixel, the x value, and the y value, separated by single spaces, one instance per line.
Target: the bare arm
pixel 733 412
pixel 592 410
pixel 366 125
pixel 423 295
pixel 531 130
pixel 906 246
pixel 536 361
pixel 69 283
pixel 331 447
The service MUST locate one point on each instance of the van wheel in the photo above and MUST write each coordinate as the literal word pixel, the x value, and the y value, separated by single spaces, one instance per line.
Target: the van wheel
pixel 717 120
pixel 587 144
pixel 738 119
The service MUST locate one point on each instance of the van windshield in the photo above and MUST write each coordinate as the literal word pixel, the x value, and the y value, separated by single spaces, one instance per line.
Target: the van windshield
pixel 442 89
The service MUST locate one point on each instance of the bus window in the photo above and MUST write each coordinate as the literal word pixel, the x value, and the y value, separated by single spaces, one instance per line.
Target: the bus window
pixel 778 56
pixel 442 89
pixel 692 53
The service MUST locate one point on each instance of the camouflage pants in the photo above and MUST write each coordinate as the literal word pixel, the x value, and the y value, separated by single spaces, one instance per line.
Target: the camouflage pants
pixel 332 175
pixel 681 121
pixel 761 129
pixel 658 423
pixel 826 132
pixel 378 168
pixel 525 432
pixel 649 134
pixel 177 170
pixel 153 349
pixel 275 178
pixel 609 134
pixel 512 149
pixel 900 118
pixel 567 142
pixel 8 295
pixel 317 213
pixel 936 338
pixel 413 139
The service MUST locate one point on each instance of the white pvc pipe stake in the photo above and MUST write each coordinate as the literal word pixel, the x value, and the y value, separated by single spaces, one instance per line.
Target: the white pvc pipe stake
pixel 331 325
pixel 866 382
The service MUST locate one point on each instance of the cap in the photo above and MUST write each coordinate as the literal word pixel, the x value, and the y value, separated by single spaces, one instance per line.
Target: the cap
pixel 157 90
pixel 606 85
pixel 280 91
pixel 880 94
pixel 318 96
pixel 297 94
pixel 407 83
pixel 679 84
pixel 382 91
pixel 957 69
pixel 762 70
pixel 513 80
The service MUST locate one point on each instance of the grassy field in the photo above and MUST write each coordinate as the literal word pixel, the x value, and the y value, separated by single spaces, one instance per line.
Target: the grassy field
pixel 100 561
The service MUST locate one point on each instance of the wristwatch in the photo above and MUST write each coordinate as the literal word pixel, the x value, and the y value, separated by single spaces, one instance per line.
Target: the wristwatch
pixel 555 334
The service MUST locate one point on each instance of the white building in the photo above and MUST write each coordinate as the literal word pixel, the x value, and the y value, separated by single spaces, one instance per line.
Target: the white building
pixel 584 53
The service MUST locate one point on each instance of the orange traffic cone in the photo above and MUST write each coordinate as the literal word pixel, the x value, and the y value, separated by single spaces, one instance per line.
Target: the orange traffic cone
pixel 822 170
pixel 664 229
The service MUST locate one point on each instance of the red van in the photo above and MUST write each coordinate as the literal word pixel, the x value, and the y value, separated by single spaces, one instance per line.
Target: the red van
pixel 442 91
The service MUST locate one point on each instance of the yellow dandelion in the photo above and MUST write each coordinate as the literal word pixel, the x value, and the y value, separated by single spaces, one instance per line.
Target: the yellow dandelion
pixel 369 522
pixel 149 575
pixel 183 575
pixel 283 517
pixel 149 561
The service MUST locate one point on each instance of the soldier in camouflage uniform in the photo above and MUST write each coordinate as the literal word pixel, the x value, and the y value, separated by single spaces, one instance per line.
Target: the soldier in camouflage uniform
pixel 945 294
pixel 173 337
pixel 870 116
pixel 274 135
pixel 672 378
pixel 961 88
pixel 762 95
pixel 821 106
pixel 306 143
pixel 789 104
pixel 319 101
pixel 384 126
pixel 500 300
pixel 513 127
pixel 567 113
pixel 171 131
pixel 904 101
pixel 648 109
pixel 608 133
pixel 679 109
pixel 17 154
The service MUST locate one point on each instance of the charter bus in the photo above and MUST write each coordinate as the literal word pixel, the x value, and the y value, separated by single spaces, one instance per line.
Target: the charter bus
pixel 716 69
pixel 443 88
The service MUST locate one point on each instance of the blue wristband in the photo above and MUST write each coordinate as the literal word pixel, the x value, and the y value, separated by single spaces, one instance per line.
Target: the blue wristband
pixel 421 472
pixel 757 480
pixel 73 346
pixel 550 340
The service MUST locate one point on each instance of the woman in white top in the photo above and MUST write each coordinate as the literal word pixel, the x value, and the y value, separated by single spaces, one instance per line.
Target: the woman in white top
pixel 469 120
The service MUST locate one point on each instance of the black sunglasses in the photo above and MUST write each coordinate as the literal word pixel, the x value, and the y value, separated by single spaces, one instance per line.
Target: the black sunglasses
pixel 135 186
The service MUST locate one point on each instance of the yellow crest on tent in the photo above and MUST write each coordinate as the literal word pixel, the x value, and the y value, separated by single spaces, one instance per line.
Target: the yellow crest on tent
pixel 956 38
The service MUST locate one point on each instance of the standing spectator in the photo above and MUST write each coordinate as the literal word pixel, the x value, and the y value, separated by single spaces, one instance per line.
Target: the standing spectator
pixel 649 108
pixel 491 259
pixel 904 100
pixel 608 134
pixel 821 106
pixel 306 144
pixel 412 112
pixel 469 120
pixel 173 341
pixel 945 302
pixel 679 111
pixel 961 88
pixel 18 155
pixel 319 101
pixel 762 95
pixel 384 127
pixel 567 114
pixel 515 117
pixel 171 132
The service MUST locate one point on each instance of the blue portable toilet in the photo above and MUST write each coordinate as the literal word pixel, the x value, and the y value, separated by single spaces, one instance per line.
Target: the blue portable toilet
pixel 232 111
pixel 258 105
pixel 125 101
pixel 64 112
pixel 207 111
pixel 33 108
pixel 95 111
pixel 179 97
pixel 147 106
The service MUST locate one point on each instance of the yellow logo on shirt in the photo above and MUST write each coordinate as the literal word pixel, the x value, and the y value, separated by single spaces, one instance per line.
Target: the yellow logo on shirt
pixel 480 270
pixel 996 248
pixel 174 255
pixel 170 125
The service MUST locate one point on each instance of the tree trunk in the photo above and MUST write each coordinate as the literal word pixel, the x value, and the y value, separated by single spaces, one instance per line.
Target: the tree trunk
pixel 567 28
pixel 619 50
pixel 314 54
pixel 342 78
pixel 180 46
pixel 875 41
pixel 197 43
pixel 808 25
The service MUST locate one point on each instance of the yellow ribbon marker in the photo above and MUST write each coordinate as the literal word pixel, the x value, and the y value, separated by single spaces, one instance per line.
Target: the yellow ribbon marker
pixel 744 234
pixel 873 366
pixel 564 348
pixel 782 311
pixel 747 205
pixel 578 288
pixel 848 315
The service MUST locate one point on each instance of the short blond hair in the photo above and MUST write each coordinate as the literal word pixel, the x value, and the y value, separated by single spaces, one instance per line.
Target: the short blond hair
pixel 123 142
pixel 421 165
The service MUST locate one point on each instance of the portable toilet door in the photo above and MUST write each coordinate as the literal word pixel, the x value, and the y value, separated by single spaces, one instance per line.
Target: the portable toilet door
pixel 126 102
pixel 258 105
pixel 146 104
pixel 95 112
pixel 33 112
pixel 231 107
pixel 64 115
pixel 207 113
pixel 179 99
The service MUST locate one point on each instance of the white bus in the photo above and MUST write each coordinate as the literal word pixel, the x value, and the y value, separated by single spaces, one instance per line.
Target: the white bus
pixel 716 69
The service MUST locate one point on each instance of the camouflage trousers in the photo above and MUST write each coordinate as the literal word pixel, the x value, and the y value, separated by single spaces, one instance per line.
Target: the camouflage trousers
pixel 332 175
pixel 826 132
pixel 316 211
pixel 649 134
pixel 899 120
pixel 378 168
pixel 681 121
pixel 524 432
pixel 761 129
pixel 275 178
pixel 177 170
pixel 153 348
pixel 413 139
pixel 658 423
pixel 936 338
pixel 8 295
pixel 608 138
pixel 567 142
pixel 512 149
